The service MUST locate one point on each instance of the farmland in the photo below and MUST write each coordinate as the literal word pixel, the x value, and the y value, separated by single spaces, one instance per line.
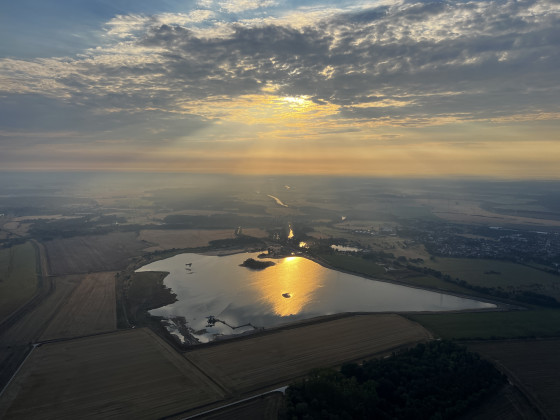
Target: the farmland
pixel 471 212
pixel 182 238
pixel 494 273
pixel 490 325
pixel 534 366
pixel 90 309
pixel 164 239
pixel 126 374
pixel 265 407
pixel 134 373
pixel 508 404
pixel 29 327
pixel 274 359
pixel 83 254
pixel 18 277
pixel 369 268
pixel 408 235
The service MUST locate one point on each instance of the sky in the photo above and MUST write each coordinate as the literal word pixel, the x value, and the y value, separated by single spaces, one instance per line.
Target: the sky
pixel 353 88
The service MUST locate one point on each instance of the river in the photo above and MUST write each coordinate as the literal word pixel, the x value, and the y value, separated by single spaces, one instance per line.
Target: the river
pixel 278 201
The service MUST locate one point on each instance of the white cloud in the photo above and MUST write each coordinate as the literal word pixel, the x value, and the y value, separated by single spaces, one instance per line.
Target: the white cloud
pixel 496 59
pixel 236 6
pixel 125 26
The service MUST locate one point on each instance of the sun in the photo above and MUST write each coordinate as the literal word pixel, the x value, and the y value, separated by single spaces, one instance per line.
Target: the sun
pixel 299 103
pixel 296 100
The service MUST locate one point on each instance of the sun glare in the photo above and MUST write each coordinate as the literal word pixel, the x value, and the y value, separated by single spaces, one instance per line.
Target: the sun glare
pixel 297 103
pixel 290 285
pixel 295 100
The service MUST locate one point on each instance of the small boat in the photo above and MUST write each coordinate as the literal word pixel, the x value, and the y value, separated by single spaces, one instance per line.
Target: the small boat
pixel 286 295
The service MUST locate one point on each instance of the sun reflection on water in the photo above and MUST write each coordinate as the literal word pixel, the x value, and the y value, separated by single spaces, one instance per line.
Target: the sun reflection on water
pixel 289 285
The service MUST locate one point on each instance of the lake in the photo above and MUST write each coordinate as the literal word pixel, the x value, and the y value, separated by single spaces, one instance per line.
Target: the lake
pixel 294 289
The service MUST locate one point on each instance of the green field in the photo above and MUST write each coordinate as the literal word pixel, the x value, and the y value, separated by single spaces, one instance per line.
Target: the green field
pixel 18 277
pixel 369 268
pixel 494 273
pixel 489 325
pixel 354 264
pixel 476 271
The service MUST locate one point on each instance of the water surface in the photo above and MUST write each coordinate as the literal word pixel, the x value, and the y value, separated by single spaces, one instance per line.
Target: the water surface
pixel 293 289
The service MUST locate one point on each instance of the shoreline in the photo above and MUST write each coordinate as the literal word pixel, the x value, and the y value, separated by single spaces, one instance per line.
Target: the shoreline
pixel 500 306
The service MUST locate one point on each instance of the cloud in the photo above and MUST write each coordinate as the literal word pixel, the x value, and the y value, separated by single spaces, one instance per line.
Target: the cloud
pixel 397 63
pixel 237 6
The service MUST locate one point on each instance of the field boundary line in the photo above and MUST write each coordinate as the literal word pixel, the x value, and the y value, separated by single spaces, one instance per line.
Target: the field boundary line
pixel 78 337
pixel 528 394
pixel 75 292
pixel 34 346
pixel 278 386
pixel 281 390
pixel 177 358
pixel 279 328
pixel 45 288
pixel 531 398
pixel 272 386
pixel 298 324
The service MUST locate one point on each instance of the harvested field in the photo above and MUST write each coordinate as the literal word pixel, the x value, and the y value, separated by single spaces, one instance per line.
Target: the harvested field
pixel 182 238
pixel 14 342
pixel 90 309
pixel 129 374
pixel 18 277
pixel 534 367
pixel 277 358
pixel 134 374
pixel 32 324
pixel 255 232
pixel 191 238
pixel 84 254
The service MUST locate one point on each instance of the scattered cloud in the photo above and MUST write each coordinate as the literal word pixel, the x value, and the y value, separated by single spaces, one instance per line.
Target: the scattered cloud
pixel 347 67
pixel 236 6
